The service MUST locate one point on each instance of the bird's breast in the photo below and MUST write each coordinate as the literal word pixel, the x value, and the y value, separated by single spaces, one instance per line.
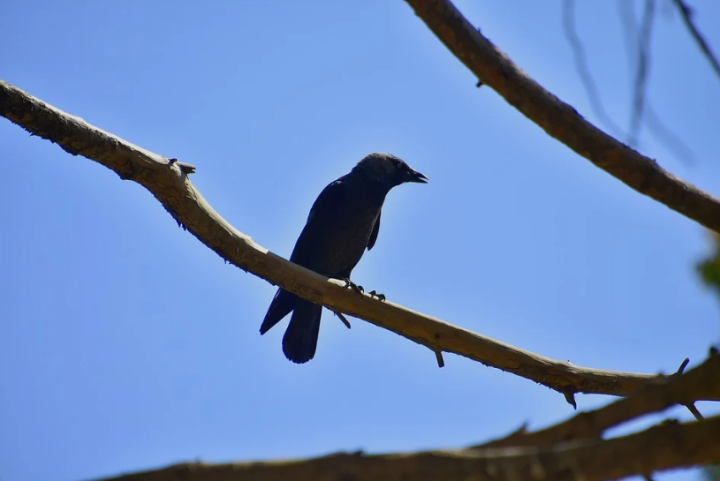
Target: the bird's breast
pixel 342 241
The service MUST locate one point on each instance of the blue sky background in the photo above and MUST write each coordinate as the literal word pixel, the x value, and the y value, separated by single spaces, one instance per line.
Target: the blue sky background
pixel 127 344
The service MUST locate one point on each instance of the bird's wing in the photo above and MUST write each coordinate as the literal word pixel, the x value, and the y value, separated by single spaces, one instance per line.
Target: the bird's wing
pixel 281 305
pixel 322 216
pixel 328 200
pixel 374 234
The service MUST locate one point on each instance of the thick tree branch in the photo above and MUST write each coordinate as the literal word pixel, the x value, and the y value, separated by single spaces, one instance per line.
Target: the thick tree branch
pixel 168 182
pixel 682 389
pixel 560 120
pixel 670 445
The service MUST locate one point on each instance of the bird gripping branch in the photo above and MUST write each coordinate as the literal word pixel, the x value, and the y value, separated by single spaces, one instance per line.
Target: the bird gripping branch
pixel 343 222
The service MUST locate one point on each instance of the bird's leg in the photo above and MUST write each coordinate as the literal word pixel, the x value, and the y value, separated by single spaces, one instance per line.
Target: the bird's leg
pixel 380 297
pixel 353 286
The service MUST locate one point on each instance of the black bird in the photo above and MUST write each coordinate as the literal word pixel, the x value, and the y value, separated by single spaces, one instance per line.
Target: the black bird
pixel 343 222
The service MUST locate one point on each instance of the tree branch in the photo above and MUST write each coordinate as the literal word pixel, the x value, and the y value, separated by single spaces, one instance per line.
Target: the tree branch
pixel 560 120
pixel 670 445
pixel 679 389
pixel 167 181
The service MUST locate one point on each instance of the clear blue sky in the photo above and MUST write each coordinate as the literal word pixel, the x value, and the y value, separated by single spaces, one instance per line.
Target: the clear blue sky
pixel 127 344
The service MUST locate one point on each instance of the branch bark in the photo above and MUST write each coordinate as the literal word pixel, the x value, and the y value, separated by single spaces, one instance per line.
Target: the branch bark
pixel 560 120
pixel 167 181
pixel 679 389
pixel 670 445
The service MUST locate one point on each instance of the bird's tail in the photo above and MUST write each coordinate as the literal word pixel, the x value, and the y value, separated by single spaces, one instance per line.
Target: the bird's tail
pixel 300 339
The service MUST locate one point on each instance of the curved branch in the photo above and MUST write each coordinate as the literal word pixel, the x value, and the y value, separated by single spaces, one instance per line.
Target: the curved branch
pixel 680 389
pixel 560 120
pixel 670 445
pixel 167 181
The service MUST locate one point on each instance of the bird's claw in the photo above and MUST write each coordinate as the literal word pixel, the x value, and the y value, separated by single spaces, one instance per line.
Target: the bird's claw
pixel 359 289
pixel 354 287
pixel 377 295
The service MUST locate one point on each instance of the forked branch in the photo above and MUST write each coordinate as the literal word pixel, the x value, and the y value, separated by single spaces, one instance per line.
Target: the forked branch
pixel 700 382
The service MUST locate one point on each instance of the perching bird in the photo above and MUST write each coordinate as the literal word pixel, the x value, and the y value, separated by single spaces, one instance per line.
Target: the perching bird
pixel 343 222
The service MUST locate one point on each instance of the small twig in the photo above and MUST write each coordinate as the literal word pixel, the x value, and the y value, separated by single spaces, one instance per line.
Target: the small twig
pixel 184 168
pixel 342 318
pixel 698 415
pixel 655 125
pixel 569 394
pixel 581 66
pixel 682 367
pixel 521 430
pixel 439 358
pixel 687 13
pixel 666 136
pixel 641 75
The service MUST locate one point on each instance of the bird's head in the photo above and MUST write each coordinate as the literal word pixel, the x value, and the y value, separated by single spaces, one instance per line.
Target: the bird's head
pixel 388 170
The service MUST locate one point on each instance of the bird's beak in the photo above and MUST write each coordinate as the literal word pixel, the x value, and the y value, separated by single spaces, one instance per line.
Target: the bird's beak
pixel 415 176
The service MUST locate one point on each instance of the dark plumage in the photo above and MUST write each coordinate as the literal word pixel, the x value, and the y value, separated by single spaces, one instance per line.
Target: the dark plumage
pixel 343 222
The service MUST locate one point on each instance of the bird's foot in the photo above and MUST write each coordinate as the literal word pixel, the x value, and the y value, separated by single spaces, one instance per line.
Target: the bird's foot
pixel 377 295
pixel 353 286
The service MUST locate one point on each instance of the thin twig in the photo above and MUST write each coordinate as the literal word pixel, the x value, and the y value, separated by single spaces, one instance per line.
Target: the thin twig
pixel 682 367
pixel 439 359
pixel 698 415
pixel 664 135
pixel 641 74
pixel 686 13
pixel 660 132
pixel 184 168
pixel 570 397
pixel 581 66
pixel 343 319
